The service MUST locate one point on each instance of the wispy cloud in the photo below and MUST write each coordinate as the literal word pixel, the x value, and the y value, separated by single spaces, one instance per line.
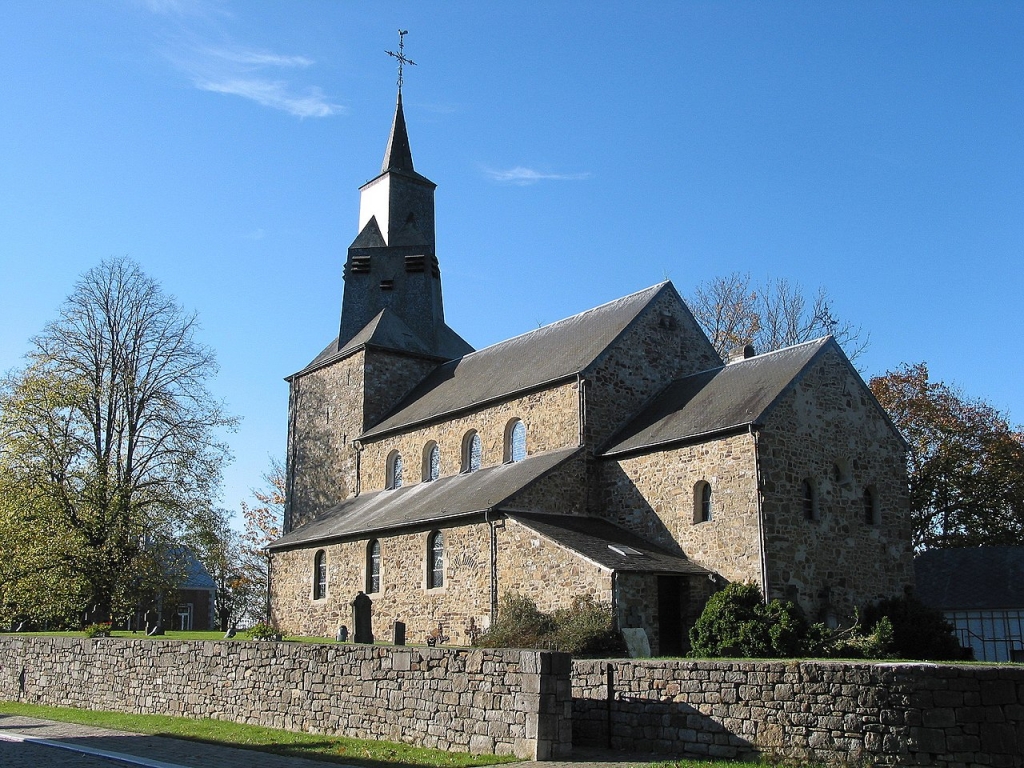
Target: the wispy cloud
pixel 269 78
pixel 253 74
pixel 181 8
pixel 522 176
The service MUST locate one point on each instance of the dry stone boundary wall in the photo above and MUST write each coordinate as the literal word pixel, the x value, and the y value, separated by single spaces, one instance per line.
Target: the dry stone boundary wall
pixel 535 704
pixel 476 700
pixel 828 712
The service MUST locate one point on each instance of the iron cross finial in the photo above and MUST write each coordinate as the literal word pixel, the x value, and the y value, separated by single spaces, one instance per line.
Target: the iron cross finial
pixel 402 60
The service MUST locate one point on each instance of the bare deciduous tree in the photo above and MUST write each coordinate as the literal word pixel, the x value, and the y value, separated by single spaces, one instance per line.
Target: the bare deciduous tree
pixel 112 424
pixel 263 523
pixel 734 312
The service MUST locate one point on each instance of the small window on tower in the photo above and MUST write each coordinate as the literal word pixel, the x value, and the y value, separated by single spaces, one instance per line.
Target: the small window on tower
pixel 387 285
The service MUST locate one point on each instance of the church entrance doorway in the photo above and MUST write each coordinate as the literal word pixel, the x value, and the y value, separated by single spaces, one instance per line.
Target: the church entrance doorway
pixel 671 597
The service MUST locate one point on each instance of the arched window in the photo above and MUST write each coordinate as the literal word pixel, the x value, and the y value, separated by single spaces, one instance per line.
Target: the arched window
pixel 435 560
pixel 373 567
pixel 809 500
pixel 431 461
pixel 394 470
pixel 515 441
pixel 702 502
pixel 871 515
pixel 320 575
pixel 471 452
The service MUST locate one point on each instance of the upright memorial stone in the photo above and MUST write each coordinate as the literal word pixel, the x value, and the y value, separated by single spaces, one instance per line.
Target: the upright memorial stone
pixel 362 620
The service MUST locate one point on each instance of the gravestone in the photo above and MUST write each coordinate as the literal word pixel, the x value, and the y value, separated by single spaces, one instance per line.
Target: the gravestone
pixel 399 633
pixel 342 634
pixel 362 619
pixel 637 644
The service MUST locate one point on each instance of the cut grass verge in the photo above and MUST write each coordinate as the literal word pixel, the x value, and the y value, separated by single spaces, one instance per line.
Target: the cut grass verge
pixel 335 749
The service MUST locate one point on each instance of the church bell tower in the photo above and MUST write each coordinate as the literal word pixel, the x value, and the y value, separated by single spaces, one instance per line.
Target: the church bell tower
pixel 392 265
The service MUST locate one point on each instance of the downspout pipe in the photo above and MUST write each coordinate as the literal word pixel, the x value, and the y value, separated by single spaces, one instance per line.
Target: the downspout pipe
pixel 754 430
pixel 494 563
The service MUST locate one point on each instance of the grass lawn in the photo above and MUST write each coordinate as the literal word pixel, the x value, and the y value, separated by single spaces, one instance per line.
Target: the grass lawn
pixel 336 749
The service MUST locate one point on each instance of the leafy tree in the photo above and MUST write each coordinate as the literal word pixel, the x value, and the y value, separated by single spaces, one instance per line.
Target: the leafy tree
pixel 263 522
pixel 966 462
pixel 108 435
pixel 218 547
pixel 775 314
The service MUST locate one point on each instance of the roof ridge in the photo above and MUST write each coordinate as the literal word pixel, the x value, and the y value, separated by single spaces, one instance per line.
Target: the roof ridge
pixel 620 300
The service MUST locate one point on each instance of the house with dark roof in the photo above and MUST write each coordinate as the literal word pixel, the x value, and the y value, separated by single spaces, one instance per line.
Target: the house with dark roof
pixel 612 454
pixel 980 591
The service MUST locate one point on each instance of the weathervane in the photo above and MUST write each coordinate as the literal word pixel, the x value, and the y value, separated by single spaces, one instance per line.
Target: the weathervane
pixel 402 60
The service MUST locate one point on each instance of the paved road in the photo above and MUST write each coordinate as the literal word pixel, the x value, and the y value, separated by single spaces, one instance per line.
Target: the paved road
pixel 161 752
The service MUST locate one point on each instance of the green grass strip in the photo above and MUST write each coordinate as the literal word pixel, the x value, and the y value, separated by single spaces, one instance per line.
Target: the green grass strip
pixel 335 749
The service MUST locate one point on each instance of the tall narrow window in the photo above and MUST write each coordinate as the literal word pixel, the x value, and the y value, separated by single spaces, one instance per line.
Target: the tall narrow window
pixel 515 441
pixel 373 567
pixel 394 479
pixel 471 452
pixel 435 560
pixel 702 502
pixel 320 575
pixel 431 462
pixel 810 500
pixel 871 516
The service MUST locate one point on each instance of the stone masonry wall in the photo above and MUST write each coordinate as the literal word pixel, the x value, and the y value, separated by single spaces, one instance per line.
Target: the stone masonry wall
pixel 830 430
pixel 325 416
pixel 403 595
pixel 551 418
pixel 530 564
pixel 652 494
pixel 835 713
pixel 328 409
pixel 527 563
pixel 482 701
pixel 664 343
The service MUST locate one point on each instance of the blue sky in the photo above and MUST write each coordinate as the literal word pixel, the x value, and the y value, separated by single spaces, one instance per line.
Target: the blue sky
pixel 583 150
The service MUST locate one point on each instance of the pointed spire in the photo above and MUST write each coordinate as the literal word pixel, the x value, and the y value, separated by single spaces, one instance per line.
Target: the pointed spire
pixel 398 156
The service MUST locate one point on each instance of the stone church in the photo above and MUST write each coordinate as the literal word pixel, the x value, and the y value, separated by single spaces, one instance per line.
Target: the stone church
pixel 612 454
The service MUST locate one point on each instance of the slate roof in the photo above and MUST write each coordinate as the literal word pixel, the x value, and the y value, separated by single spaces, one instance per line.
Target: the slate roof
pixel 441 499
pixel 606 544
pixel 543 356
pixel 978 578
pixel 730 397
pixel 388 331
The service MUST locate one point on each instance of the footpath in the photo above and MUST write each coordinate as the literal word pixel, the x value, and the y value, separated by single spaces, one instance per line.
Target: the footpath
pixel 72 744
